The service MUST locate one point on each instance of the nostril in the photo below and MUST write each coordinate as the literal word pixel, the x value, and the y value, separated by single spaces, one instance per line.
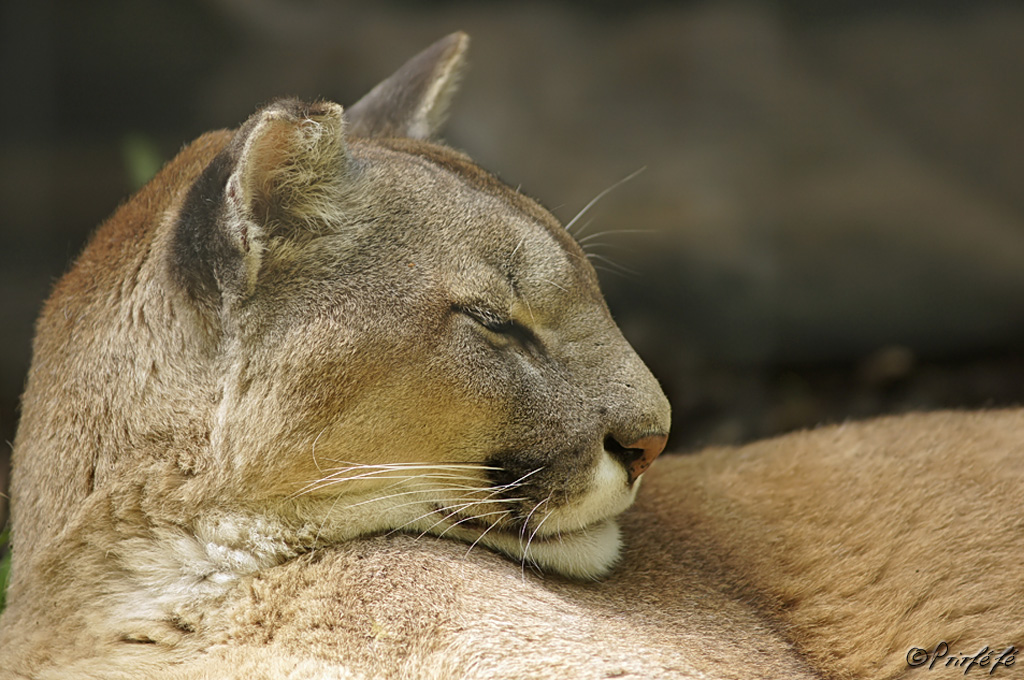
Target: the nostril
pixel 626 455
pixel 637 456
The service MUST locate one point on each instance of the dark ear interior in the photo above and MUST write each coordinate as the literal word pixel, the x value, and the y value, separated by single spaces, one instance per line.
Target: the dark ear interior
pixel 284 171
pixel 414 101
pixel 287 170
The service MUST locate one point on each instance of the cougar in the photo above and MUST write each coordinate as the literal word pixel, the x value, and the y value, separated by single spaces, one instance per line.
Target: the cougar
pixel 313 349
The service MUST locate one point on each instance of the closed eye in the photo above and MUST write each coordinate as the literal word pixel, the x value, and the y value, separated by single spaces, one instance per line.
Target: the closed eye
pixel 500 325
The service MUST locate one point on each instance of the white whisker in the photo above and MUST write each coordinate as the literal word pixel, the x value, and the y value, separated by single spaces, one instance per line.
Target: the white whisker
pixel 555 285
pixel 337 476
pixel 480 537
pixel 519 481
pixel 474 518
pixel 452 510
pixel 442 497
pixel 414 466
pixel 589 248
pixel 327 515
pixel 588 206
pixel 427 490
pixel 526 522
pixel 529 309
pixel 609 270
pixel 315 461
pixel 533 535
pixel 516 249
pixel 412 521
pixel 443 519
pixel 593 247
pixel 621 268
pixel 333 479
pixel 608 232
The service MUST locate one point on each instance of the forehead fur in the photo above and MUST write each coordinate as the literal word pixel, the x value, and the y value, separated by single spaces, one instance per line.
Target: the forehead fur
pixel 462 167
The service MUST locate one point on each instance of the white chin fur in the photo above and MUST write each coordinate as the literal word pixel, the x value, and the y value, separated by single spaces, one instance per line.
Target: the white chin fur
pixel 588 553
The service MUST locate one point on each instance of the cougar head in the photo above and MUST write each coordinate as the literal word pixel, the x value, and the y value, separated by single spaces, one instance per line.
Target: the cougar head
pixel 367 332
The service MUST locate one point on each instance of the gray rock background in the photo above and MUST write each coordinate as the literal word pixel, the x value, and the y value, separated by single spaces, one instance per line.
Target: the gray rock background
pixel 830 224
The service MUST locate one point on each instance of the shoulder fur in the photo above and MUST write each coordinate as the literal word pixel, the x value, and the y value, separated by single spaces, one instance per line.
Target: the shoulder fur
pixel 327 400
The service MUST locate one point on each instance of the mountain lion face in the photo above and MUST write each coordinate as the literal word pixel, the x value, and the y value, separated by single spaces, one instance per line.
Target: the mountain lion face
pixel 436 356
pixel 365 332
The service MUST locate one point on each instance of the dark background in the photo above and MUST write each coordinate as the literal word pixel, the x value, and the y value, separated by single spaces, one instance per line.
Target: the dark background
pixel 830 224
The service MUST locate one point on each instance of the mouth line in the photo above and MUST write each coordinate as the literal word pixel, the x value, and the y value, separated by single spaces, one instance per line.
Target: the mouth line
pixel 456 520
pixel 582 552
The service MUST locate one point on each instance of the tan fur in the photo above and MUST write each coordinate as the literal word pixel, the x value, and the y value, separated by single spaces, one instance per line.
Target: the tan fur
pixel 297 339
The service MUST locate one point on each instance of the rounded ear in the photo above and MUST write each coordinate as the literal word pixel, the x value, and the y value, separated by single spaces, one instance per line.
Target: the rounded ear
pixel 286 170
pixel 414 101
pixel 292 165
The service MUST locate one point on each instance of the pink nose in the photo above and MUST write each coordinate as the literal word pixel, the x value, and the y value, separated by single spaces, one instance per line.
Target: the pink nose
pixel 637 456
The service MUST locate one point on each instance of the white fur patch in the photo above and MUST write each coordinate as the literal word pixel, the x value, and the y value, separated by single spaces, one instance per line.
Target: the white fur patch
pixel 176 570
pixel 580 540
pixel 586 554
pixel 609 495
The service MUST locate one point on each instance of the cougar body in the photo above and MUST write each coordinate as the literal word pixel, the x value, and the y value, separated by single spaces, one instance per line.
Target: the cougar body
pixel 315 346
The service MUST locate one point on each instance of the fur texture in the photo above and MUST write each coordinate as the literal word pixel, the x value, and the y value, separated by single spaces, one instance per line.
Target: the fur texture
pixel 322 328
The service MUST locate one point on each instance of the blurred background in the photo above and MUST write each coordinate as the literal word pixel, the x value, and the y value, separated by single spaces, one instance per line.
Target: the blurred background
pixel 830 224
